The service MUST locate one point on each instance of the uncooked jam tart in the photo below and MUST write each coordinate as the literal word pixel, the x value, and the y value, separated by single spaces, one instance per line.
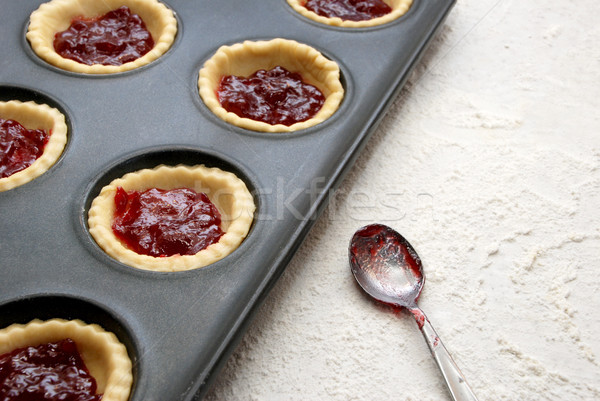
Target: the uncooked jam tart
pixel 56 30
pixel 299 78
pixel 103 357
pixel 32 138
pixel 351 13
pixel 219 198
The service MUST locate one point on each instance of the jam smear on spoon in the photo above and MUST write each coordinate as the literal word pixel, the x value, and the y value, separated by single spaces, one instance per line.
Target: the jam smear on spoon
pixel 19 146
pixel 49 372
pixel 349 10
pixel 158 222
pixel 116 38
pixel 276 96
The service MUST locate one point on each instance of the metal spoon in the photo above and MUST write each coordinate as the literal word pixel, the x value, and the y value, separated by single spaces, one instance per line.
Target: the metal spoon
pixel 387 267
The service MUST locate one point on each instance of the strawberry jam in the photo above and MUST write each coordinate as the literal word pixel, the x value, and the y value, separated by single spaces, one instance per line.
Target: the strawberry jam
pixel 115 38
pixel 19 146
pixel 349 10
pixel 274 97
pixel 158 222
pixel 52 371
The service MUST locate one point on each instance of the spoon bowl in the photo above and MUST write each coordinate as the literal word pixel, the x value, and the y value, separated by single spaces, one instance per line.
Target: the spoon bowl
pixel 388 268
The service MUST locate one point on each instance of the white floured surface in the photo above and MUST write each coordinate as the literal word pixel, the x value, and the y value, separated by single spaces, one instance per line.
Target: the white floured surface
pixel 489 164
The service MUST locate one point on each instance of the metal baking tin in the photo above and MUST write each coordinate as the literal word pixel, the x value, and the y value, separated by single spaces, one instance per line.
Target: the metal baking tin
pixel 181 327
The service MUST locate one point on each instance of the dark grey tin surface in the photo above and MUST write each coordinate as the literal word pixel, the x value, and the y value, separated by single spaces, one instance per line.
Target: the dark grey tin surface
pixel 180 327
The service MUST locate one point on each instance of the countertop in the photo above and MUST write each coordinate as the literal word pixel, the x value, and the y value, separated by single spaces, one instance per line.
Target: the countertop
pixel 488 162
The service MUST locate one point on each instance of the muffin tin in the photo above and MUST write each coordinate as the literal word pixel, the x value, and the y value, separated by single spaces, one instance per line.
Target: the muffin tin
pixel 179 328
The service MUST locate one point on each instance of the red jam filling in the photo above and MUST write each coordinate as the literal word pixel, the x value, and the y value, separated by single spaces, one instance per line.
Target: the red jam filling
pixel 115 38
pixel 349 10
pixel 49 372
pixel 19 146
pixel 276 96
pixel 158 222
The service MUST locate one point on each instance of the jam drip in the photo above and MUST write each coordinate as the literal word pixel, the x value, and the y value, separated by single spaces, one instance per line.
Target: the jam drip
pixel 349 10
pixel 160 222
pixel 19 146
pixel 116 38
pixel 274 97
pixel 49 372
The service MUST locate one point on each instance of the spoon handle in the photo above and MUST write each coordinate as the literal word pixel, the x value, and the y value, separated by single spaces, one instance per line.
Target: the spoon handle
pixel 457 384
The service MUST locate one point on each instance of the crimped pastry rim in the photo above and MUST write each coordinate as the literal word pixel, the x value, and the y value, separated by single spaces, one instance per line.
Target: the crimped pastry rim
pixel 56 16
pixel 399 8
pixel 35 116
pixel 225 190
pixel 245 58
pixel 96 346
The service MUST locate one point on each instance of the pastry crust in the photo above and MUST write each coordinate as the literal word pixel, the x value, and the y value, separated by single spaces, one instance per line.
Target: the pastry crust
pixel 56 16
pixel 225 190
pixel 105 357
pixel 399 8
pixel 244 59
pixel 35 116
